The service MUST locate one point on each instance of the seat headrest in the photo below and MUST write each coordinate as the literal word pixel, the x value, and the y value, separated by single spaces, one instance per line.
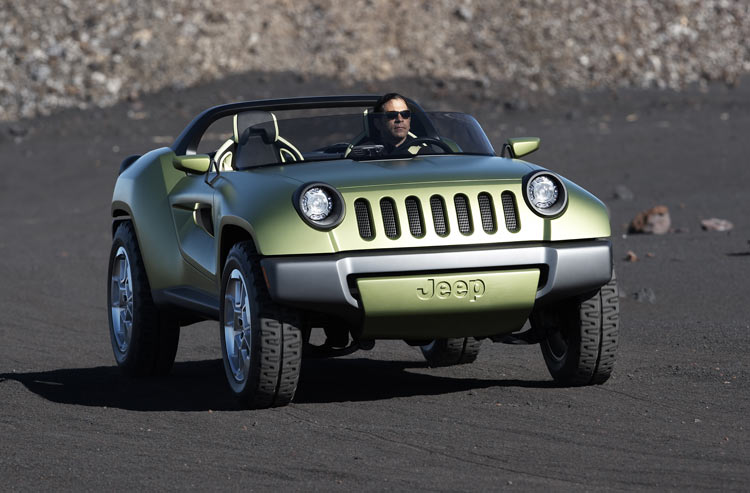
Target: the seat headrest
pixel 261 123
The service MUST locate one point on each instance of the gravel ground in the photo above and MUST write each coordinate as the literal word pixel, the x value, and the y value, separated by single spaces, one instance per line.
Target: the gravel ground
pixel 67 53
pixel 672 417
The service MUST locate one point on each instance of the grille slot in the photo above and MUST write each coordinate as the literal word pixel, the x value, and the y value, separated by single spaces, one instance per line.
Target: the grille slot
pixel 414 214
pixel 463 213
pixel 487 213
pixel 390 220
pixel 510 212
pixel 364 218
pixel 439 216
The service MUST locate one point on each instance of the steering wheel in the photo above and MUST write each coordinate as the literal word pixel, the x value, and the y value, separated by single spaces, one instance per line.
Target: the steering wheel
pixel 430 141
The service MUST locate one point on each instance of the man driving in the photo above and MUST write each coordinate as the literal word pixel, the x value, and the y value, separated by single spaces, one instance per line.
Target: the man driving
pixel 392 120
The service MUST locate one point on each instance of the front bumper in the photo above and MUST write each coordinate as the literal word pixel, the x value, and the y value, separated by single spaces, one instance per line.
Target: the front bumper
pixel 327 283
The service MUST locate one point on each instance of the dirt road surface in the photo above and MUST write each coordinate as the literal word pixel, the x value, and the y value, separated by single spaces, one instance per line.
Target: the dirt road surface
pixel 674 414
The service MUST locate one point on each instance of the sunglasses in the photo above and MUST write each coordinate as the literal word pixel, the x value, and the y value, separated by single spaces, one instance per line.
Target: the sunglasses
pixel 391 115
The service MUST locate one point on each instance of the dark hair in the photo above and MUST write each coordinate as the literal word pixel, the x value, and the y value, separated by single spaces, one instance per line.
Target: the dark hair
pixel 378 108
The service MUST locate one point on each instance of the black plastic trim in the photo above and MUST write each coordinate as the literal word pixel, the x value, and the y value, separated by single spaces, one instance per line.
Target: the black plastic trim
pixel 187 298
pixel 187 141
pixel 125 164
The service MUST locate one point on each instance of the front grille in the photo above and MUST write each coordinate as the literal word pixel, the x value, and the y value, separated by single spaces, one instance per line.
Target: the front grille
pixel 390 220
pixel 414 214
pixel 415 217
pixel 510 212
pixel 487 212
pixel 463 214
pixel 364 218
pixel 439 216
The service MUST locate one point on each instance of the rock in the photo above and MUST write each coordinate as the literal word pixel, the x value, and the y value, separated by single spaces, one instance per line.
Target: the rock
pixel 18 131
pixel 653 221
pixel 78 54
pixel 645 295
pixel 715 224
pixel 464 13
pixel 631 256
pixel 623 193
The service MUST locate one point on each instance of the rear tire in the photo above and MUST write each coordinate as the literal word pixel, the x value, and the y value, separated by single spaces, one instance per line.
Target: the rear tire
pixel 261 342
pixel 452 351
pixel 580 349
pixel 143 340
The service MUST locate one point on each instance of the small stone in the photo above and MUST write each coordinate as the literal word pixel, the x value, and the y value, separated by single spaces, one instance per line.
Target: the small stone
pixel 644 295
pixel 653 221
pixel 623 193
pixel 631 256
pixel 464 13
pixel 715 224
pixel 18 131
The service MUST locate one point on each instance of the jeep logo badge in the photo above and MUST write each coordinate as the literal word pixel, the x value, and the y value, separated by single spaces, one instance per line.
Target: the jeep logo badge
pixel 472 290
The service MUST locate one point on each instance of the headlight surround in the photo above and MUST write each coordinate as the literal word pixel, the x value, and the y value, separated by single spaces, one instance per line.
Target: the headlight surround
pixel 545 193
pixel 319 205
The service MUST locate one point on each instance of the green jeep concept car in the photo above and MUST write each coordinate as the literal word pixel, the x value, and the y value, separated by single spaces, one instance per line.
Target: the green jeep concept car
pixel 297 220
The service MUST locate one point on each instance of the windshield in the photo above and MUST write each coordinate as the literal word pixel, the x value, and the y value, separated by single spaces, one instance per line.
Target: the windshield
pixel 265 138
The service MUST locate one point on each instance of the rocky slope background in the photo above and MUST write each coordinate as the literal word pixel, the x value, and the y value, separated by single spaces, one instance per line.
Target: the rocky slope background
pixel 67 53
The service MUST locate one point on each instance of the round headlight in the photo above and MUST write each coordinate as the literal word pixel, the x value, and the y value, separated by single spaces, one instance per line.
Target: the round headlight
pixel 316 204
pixel 319 205
pixel 545 193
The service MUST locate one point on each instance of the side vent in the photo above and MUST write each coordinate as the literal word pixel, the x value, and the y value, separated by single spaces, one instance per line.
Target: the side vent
pixel 487 212
pixel 364 218
pixel 463 214
pixel 439 216
pixel 510 211
pixel 390 221
pixel 414 214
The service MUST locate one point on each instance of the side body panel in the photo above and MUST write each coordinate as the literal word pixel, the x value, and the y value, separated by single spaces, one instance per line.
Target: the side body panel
pixel 143 192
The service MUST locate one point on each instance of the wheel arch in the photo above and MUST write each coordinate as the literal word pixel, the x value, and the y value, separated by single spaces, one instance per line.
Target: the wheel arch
pixel 230 235
pixel 120 214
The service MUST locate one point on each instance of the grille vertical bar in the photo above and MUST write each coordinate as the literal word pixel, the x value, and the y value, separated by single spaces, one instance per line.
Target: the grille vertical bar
pixel 510 212
pixel 390 221
pixel 364 218
pixel 414 214
pixel 487 212
pixel 439 216
pixel 463 213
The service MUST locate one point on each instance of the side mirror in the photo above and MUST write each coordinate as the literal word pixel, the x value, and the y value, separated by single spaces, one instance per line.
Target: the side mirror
pixel 193 163
pixel 521 146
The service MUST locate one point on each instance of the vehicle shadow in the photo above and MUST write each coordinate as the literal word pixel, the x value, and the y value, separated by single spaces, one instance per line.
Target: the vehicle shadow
pixel 200 385
pixel 192 386
pixel 360 379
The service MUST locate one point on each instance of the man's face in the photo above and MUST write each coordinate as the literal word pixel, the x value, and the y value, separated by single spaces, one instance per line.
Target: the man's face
pixel 396 129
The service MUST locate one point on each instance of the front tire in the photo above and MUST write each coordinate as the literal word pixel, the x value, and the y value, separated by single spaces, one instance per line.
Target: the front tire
pixel 452 351
pixel 144 342
pixel 261 342
pixel 580 349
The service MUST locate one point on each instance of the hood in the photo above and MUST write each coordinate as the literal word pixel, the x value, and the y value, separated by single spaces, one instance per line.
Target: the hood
pixel 346 173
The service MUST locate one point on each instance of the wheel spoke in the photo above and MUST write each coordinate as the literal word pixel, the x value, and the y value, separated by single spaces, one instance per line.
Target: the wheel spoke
pixel 237 337
pixel 237 356
pixel 121 300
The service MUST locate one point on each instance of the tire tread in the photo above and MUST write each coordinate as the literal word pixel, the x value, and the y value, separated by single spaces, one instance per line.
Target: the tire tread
pixel 274 377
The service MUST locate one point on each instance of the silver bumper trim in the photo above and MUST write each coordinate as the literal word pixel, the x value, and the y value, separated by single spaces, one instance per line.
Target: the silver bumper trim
pixel 321 282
